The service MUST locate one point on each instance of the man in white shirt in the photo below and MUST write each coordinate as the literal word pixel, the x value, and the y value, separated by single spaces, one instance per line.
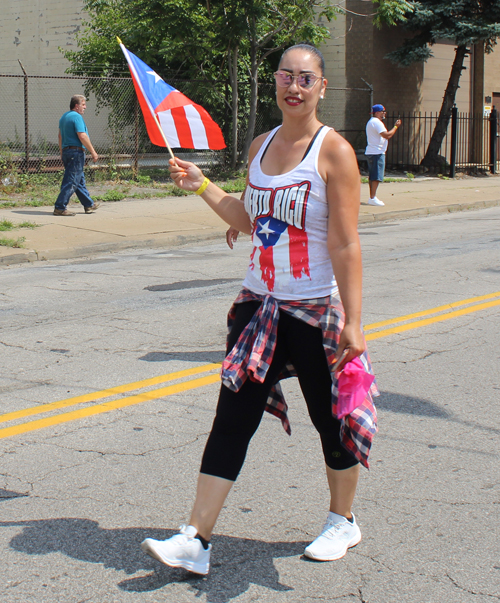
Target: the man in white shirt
pixel 377 137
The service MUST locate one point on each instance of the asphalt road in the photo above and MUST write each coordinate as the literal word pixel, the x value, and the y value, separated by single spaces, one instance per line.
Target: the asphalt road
pixel 108 390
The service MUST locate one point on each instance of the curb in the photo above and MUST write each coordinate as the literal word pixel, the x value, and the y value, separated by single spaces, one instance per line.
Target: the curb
pixel 425 211
pixel 19 258
pixel 31 256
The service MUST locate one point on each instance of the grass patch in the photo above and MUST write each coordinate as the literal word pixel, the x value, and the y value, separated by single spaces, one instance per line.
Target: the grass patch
pixel 150 195
pixel 18 243
pixel 175 191
pixel 364 179
pixel 6 225
pixel 36 203
pixel 234 186
pixel 112 195
pixel 31 225
pixel 44 196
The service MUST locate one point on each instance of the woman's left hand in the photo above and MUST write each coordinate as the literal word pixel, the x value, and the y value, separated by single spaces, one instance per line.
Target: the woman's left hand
pixel 352 343
pixel 231 236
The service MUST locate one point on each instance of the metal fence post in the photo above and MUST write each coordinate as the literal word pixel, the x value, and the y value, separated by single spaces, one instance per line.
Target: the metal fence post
pixel 371 92
pixel 26 122
pixel 136 138
pixel 453 150
pixel 493 140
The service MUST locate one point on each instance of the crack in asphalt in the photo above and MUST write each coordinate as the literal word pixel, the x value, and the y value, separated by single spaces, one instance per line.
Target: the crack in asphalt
pixel 11 345
pixel 471 592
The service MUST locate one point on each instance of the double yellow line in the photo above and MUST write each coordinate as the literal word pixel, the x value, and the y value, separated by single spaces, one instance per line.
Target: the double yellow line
pixel 438 314
pixel 97 409
pixel 185 382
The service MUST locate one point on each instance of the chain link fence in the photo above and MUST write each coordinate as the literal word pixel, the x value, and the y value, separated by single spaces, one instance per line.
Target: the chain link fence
pixel 30 108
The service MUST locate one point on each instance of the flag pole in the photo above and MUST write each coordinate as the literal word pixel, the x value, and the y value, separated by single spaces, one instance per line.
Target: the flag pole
pixel 157 122
pixel 164 137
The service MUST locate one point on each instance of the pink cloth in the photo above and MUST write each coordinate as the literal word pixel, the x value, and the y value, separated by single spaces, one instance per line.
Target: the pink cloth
pixel 354 383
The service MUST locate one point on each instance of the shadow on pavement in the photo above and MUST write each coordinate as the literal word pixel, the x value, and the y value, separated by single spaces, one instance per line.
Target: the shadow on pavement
pixel 235 564
pixel 31 212
pixel 8 494
pixel 196 284
pixel 409 405
pixel 208 356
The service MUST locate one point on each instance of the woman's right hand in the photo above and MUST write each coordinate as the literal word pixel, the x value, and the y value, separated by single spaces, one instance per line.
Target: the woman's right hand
pixel 185 174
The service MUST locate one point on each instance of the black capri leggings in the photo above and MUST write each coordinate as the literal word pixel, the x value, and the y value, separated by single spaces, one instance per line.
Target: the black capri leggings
pixel 239 413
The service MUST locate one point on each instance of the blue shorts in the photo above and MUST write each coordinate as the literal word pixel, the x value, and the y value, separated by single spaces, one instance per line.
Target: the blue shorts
pixel 376 167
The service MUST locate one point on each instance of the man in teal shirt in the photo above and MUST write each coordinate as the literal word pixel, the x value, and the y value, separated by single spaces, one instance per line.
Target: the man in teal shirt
pixel 73 140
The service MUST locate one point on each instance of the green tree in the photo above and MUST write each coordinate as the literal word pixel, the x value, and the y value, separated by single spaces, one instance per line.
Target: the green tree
pixel 255 29
pixel 465 22
pixel 228 43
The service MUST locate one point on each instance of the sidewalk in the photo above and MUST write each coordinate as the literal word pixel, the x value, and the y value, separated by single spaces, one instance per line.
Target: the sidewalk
pixel 147 223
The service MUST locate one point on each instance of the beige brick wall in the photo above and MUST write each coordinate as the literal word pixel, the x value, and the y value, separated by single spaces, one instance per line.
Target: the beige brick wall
pixel 334 52
pixel 332 110
pixel 403 89
pixel 398 88
pixel 492 75
pixel 436 74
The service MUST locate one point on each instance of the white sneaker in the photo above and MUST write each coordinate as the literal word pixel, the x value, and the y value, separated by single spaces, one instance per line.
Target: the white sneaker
pixel 337 536
pixel 182 550
pixel 375 201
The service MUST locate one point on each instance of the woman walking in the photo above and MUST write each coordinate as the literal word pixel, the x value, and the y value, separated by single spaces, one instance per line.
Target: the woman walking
pixel 299 312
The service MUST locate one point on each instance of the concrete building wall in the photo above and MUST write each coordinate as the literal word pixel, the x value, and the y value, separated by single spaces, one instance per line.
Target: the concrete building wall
pixel 32 31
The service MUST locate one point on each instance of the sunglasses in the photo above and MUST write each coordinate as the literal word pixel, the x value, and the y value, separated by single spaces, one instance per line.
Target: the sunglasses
pixel 304 80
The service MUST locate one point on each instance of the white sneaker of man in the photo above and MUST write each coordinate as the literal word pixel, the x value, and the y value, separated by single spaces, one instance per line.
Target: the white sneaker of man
pixel 338 535
pixel 375 201
pixel 182 550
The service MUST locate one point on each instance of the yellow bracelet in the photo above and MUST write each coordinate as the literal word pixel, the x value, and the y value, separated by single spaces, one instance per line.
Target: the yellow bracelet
pixel 202 188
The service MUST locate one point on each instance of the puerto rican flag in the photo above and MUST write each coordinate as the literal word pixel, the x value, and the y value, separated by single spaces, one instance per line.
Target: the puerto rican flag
pixel 280 253
pixel 185 124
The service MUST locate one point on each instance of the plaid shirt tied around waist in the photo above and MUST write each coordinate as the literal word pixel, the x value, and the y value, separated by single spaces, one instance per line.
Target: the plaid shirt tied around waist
pixel 253 353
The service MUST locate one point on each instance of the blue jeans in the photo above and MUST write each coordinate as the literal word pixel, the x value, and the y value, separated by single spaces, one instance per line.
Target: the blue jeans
pixel 73 179
pixel 376 167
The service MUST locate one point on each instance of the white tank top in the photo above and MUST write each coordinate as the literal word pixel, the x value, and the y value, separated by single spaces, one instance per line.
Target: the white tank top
pixel 289 216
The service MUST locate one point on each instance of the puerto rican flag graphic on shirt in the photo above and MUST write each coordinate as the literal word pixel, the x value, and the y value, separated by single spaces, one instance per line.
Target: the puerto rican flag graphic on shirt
pixel 280 241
